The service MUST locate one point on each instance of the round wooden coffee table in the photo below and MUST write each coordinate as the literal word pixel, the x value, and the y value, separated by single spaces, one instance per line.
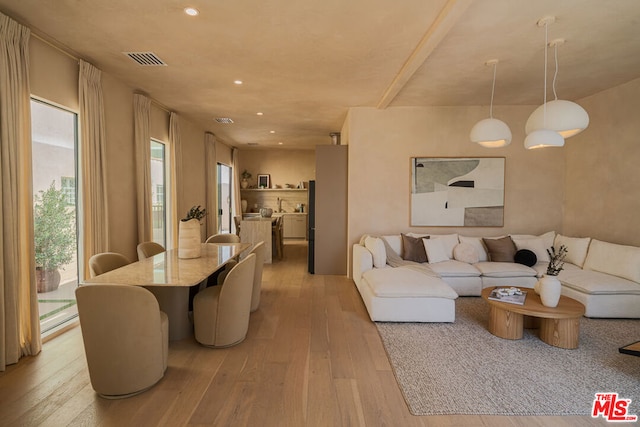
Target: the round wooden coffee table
pixel 559 326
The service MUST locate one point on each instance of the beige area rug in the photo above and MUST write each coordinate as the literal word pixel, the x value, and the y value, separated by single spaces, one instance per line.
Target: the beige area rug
pixel 460 368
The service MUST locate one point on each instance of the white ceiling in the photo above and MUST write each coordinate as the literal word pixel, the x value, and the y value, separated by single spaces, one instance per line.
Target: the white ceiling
pixel 305 62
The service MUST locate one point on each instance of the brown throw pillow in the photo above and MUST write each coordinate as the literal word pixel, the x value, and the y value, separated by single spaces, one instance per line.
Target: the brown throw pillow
pixel 500 250
pixel 413 248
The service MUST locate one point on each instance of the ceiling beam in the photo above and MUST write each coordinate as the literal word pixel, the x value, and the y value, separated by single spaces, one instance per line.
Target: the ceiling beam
pixel 446 19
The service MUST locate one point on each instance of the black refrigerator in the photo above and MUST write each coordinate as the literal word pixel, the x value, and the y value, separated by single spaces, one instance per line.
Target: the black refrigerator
pixel 311 224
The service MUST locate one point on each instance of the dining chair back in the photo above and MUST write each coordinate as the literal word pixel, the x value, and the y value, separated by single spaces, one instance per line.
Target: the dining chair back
pixel 260 251
pixel 223 238
pixel 221 313
pixel 149 249
pixel 126 338
pixel 106 261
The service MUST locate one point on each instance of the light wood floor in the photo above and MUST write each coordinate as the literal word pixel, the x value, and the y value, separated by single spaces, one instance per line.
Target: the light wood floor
pixel 312 357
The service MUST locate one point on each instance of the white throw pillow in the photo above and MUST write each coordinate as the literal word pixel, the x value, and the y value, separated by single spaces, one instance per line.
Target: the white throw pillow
pixel 466 252
pixel 449 240
pixel 395 243
pixel 436 250
pixel 577 248
pixel 377 249
pixel 535 245
pixel 477 243
pixel 547 238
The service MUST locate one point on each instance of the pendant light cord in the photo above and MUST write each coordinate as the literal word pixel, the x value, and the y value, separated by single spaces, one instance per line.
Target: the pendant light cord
pixel 555 75
pixel 544 104
pixel 493 88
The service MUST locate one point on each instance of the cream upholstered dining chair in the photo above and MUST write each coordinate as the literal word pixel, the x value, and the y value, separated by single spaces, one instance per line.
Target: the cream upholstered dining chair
pixel 126 338
pixel 223 238
pixel 149 249
pixel 259 250
pixel 106 261
pixel 221 313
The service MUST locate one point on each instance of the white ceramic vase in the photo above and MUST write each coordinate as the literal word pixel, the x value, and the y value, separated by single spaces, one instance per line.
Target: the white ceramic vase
pixel 189 239
pixel 243 203
pixel 549 288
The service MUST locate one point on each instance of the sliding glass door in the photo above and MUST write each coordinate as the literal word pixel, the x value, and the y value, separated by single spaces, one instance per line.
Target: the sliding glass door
pixel 54 154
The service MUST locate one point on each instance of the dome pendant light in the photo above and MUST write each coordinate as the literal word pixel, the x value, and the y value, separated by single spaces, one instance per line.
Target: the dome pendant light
pixel 565 117
pixel 491 133
pixel 544 137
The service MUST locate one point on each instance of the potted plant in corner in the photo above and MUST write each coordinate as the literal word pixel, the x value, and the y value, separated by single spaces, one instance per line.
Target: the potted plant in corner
pixel 54 235
pixel 244 183
pixel 549 287
pixel 189 233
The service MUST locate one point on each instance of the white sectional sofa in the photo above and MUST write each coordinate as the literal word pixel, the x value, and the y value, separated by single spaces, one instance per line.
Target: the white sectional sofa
pixel 605 277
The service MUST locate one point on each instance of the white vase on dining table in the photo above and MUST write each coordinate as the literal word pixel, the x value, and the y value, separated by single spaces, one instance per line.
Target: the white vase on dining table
pixel 189 239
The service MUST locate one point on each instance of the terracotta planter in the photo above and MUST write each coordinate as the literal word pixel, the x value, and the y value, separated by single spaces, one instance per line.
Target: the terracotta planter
pixel 189 239
pixel 47 280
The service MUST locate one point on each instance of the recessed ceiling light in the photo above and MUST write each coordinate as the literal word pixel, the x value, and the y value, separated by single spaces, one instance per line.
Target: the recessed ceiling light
pixel 272 131
pixel 191 11
pixel 280 143
pixel 259 113
pixel 237 82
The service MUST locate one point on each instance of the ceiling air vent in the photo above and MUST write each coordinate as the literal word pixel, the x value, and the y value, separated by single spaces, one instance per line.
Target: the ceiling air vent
pixel 226 120
pixel 252 143
pixel 146 58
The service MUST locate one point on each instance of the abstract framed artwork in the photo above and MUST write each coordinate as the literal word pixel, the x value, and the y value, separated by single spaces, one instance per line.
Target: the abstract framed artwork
pixel 457 191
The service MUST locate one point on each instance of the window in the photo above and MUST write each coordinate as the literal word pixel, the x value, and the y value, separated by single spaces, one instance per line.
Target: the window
pixel 224 198
pixel 159 208
pixel 54 156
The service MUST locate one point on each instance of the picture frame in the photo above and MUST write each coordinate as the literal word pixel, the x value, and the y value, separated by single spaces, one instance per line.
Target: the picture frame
pixel 457 191
pixel 264 181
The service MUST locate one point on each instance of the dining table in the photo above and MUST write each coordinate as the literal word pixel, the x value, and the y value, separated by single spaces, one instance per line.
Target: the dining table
pixel 171 278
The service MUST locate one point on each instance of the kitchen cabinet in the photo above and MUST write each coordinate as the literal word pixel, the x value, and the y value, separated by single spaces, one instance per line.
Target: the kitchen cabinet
pixel 294 226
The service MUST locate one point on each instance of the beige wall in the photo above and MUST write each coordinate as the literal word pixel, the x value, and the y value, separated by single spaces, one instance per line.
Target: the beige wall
pixel 54 77
pixel 381 143
pixel 602 197
pixel 285 166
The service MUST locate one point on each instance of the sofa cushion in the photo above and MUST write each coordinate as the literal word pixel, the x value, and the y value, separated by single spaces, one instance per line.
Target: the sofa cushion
pixel 548 237
pixel 453 268
pixel 500 250
pixel 466 252
pixel 577 248
pixel 449 240
pixel 537 245
pixel 406 282
pixel 395 243
pixel 377 249
pixel 478 244
pixel 413 249
pixel 597 283
pixel 619 260
pixel 436 252
pixel 504 269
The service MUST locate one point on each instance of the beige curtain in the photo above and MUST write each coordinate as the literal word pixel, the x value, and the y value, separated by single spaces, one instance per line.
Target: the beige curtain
pixel 93 165
pixel 211 176
pixel 141 113
pixel 235 161
pixel 176 177
pixel 19 323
